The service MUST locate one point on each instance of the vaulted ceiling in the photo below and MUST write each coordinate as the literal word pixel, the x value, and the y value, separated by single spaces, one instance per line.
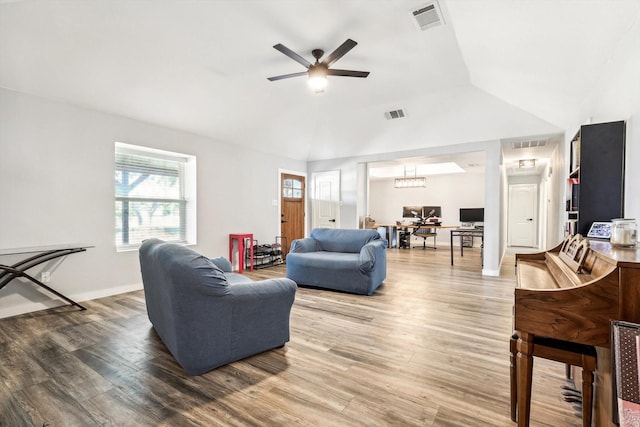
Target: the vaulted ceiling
pixel 495 69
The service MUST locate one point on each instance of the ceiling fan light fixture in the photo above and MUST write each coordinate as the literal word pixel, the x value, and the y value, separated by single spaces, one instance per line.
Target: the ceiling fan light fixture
pixel 318 78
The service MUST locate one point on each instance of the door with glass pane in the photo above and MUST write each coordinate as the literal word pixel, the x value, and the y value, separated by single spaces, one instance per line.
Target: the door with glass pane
pixel 292 209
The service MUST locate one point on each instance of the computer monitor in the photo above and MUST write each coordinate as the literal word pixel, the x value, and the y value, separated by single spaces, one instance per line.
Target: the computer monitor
pixel 412 211
pixel 471 214
pixel 431 211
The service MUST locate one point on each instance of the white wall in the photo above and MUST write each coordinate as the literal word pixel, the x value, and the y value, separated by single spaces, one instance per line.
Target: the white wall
pixel 450 191
pixel 616 96
pixel 57 186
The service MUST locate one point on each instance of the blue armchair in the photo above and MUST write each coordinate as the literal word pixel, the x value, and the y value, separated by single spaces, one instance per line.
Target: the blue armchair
pixel 352 261
pixel 205 318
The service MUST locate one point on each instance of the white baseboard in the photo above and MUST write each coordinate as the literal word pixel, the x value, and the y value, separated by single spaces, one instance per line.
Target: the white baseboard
pixel 87 296
pixel 30 307
pixel 487 272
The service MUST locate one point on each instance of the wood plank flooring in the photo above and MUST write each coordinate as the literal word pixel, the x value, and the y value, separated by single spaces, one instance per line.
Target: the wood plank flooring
pixel 429 348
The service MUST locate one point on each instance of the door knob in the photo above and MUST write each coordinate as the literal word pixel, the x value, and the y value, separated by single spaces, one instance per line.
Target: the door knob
pixel 332 220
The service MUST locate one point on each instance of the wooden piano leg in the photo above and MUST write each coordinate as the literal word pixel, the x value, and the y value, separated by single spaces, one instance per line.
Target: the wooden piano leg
pixel 588 366
pixel 513 375
pixel 525 377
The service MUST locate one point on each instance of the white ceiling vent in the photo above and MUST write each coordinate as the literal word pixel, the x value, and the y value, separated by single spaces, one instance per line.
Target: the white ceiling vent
pixel 532 143
pixel 428 16
pixel 395 114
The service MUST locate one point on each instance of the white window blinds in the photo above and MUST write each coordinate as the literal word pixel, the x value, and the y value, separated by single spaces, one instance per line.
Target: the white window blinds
pixel 150 196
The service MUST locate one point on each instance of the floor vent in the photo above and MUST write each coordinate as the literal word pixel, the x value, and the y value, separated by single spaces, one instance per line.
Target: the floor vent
pixel 428 16
pixel 395 114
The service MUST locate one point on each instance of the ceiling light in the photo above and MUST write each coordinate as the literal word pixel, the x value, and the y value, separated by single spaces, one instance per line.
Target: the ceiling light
pixel 410 182
pixel 318 77
pixel 419 181
pixel 527 163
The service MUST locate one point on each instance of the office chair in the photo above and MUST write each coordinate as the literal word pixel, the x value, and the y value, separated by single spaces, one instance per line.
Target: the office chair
pixel 423 230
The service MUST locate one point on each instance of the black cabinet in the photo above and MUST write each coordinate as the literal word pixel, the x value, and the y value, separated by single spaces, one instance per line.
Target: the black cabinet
pixel 601 170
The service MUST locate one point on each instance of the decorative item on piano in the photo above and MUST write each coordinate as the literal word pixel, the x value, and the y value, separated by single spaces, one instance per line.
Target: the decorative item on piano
pixel 624 232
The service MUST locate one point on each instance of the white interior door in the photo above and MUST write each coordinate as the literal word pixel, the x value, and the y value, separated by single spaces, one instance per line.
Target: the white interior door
pixel 326 199
pixel 523 214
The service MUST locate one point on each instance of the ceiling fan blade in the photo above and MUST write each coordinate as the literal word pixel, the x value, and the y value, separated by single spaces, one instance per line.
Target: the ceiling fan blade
pixel 287 76
pixel 339 52
pixel 347 73
pixel 291 54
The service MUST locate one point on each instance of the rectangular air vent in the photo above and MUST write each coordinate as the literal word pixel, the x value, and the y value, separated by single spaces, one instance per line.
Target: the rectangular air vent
pixel 395 114
pixel 427 16
pixel 532 143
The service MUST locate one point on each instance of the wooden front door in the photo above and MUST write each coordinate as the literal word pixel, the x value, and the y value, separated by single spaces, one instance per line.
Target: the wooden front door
pixel 292 212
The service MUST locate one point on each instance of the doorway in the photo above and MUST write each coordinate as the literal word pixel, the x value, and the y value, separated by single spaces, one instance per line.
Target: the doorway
pixel 523 215
pixel 326 199
pixel 292 212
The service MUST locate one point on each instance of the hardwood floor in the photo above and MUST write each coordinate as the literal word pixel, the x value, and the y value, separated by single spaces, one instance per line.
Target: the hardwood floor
pixel 429 348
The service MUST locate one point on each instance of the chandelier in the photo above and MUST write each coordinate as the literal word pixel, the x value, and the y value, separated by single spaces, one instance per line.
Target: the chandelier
pixel 410 181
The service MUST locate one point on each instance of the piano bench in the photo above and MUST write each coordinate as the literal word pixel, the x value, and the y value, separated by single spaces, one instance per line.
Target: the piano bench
pixel 572 354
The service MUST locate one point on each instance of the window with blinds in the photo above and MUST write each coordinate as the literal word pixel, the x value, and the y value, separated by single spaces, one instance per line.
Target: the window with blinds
pixel 151 195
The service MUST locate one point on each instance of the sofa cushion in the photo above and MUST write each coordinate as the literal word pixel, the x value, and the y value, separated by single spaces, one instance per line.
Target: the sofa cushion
pixel 222 263
pixel 343 240
pixel 334 260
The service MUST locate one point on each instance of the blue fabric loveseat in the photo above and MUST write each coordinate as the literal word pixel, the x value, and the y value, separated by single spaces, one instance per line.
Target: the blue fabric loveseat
pixel 352 261
pixel 207 317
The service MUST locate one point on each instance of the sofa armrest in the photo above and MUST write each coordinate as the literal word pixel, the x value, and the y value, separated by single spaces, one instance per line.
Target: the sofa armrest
pixel 260 290
pixel 370 253
pixel 308 244
pixel 260 315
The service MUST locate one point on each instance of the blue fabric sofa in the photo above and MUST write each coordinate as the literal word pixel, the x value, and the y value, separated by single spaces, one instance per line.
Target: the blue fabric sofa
pixel 207 317
pixel 352 261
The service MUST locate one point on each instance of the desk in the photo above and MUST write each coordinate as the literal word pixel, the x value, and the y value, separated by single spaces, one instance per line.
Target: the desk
pixel 393 230
pixel 42 255
pixel 473 232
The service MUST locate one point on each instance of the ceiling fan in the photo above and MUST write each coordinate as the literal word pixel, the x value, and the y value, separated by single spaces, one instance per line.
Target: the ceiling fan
pixel 319 71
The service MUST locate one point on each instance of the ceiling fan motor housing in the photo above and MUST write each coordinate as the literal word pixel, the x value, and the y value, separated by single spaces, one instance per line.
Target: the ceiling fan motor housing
pixel 317 53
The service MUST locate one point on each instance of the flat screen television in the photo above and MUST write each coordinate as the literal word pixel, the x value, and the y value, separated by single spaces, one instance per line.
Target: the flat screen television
pixel 430 211
pixel 408 212
pixel 471 214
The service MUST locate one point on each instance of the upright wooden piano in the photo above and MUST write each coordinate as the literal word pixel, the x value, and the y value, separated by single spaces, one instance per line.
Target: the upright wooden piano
pixel 571 293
